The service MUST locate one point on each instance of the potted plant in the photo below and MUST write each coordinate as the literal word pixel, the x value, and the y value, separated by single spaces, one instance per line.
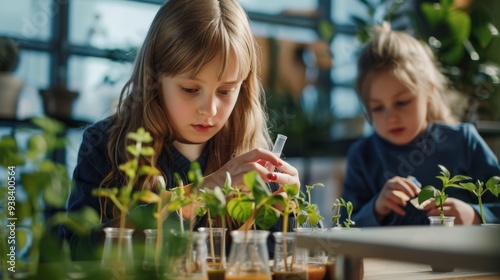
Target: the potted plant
pixel 249 254
pixel 440 195
pixel 10 85
pixel 479 189
pixel 309 219
pixel 118 255
pixel 337 205
pixel 45 184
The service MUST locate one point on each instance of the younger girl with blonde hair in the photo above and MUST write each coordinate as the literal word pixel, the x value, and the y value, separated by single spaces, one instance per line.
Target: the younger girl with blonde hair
pixel 403 92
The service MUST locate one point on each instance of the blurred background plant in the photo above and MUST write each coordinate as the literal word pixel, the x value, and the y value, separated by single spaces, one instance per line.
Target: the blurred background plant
pixel 463 36
pixel 44 186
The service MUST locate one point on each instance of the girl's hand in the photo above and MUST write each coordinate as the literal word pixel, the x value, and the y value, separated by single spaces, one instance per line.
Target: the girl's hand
pixel 396 192
pixel 254 160
pixel 464 213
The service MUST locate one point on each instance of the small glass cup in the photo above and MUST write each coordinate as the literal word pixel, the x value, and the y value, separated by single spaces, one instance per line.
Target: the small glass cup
pixel 216 256
pixel 117 253
pixel 290 262
pixel 448 221
pixel 149 249
pixel 317 258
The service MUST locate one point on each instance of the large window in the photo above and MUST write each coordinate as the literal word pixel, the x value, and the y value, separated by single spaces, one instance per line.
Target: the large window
pixel 85 45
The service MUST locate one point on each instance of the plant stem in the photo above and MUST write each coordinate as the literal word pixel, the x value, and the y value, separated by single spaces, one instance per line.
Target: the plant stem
pixel 479 199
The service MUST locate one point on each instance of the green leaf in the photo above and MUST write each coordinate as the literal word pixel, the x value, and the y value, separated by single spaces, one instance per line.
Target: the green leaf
pixel 256 186
pixel 148 170
pixel 291 190
pixel 37 146
pixel 48 125
pixel 147 151
pixel 493 185
pixel 146 196
pixel 326 30
pixel 9 151
pixel 141 136
pixel 240 209
pixel 469 186
pixel 81 221
pixel 434 14
pixel 266 217
pixel 105 192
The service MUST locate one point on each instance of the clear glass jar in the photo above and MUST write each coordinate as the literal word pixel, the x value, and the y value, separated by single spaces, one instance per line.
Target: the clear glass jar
pixel 186 255
pixel 117 254
pixel 216 255
pixel 317 258
pixel 249 257
pixel 148 262
pixel 290 262
pixel 448 221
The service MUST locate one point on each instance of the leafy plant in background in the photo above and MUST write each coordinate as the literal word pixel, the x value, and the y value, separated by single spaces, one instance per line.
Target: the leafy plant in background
pixel 461 38
pixel 337 205
pixel 312 214
pixel 479 189
pixel 46 184
pixel 440 196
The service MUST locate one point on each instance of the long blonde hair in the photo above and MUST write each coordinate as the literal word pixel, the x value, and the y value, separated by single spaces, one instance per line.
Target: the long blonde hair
pixel 183 37
pixel 412 62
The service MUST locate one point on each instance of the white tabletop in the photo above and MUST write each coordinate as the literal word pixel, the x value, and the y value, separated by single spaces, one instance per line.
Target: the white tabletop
pixel 469 247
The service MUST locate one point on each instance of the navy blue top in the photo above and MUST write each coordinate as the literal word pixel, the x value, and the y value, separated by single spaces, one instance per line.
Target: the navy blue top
pixel 93 166
pixel 371 161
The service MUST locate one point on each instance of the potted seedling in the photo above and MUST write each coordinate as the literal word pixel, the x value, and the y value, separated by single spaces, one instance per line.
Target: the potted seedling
pixel 214 207
pixel 120 258
pixel 339 203
pixel 440 196
pixel 257 207
pixel 479 189
pixel 309 219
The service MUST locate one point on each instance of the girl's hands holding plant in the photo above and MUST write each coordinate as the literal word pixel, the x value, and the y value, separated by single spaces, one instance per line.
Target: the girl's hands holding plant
pixel 254 160
pixel 393 197
pixel 464 213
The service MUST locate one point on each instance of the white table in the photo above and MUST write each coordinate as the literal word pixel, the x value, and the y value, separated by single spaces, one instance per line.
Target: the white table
pixel 467 247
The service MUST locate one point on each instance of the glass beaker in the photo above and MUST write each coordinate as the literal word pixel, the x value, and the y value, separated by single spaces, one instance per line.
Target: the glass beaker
pixel 149 249
pixel 448 221
pixel 290 262
pixel 186 255
pixel 117 254
pixel 249 257
pixel 216 255
pixel 317 257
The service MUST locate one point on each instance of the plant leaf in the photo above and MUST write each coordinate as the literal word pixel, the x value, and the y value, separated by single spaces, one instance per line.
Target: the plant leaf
pixel 266 217
pixel 426 193
pixel 240 209
pixel 146 196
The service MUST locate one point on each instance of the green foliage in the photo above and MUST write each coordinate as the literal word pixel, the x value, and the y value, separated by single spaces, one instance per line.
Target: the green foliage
pixel 311 210
pixel 123 197
pixel 479 189
pixel 47 185
pixel 339 203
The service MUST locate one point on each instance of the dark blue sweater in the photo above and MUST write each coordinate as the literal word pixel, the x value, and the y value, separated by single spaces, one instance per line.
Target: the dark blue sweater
pixel 372 161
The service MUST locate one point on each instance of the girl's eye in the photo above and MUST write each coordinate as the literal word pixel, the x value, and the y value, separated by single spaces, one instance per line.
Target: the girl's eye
pixel 402 103
pixel 189 90
pixel 226 91
pixel 377 109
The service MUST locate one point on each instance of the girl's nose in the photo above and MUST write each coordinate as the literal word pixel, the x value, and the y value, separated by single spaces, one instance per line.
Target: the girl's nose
pixel 392 115
pixel 208 106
